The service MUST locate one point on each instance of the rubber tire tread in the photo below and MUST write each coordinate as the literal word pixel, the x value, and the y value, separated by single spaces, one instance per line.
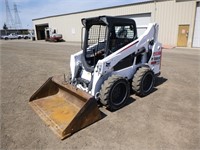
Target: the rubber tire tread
pixel 137 81
pixel 105 91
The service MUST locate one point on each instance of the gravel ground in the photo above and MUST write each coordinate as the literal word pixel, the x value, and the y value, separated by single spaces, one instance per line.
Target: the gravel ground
pixel 167 119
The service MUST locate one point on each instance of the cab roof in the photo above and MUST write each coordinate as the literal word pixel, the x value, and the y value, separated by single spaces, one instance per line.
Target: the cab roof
pixel 107 21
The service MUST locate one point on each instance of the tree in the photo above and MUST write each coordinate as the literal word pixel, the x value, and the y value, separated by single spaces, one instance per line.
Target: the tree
pixel 5 27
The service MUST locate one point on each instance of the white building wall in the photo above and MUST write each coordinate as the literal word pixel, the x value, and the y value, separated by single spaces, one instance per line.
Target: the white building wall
pixel 70 25
pixel 196 37
pixel 169 14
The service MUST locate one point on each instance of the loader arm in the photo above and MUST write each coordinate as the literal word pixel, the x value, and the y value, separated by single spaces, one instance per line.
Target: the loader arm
pixel 133 47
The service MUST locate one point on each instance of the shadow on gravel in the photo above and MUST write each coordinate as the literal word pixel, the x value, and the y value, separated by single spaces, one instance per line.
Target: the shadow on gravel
pixel 129 101
pixel 159 81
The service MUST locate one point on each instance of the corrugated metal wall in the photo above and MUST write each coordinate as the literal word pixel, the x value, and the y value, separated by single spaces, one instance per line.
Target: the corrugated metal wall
pixel 196 37
pixel 168 13
pixel 70 25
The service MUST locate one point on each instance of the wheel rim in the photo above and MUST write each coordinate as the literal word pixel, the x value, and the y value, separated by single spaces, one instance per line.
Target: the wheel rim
pixel 147 82
pixel 119 93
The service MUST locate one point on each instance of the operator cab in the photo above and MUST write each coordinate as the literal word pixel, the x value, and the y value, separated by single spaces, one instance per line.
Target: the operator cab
pixel 103 36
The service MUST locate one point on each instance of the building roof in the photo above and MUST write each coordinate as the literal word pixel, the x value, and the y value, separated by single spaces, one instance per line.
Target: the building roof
pixel 136 3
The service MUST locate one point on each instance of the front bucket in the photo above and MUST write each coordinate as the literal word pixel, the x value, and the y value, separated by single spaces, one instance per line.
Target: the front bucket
pixel 64 108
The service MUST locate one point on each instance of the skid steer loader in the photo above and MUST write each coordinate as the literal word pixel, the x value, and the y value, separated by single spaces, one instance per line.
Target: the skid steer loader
pixel 112 60
pixel 51 35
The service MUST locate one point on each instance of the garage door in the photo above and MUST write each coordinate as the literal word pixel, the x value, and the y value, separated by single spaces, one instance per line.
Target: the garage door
pixel 40 31
pixel 196 38
pixel 142 21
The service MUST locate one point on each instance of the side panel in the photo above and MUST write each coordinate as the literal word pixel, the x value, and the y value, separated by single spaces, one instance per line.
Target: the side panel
pixel 74 61
pixel 155 61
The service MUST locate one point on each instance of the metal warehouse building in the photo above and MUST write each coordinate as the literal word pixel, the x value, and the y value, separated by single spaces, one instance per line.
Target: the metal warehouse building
pixel 179 21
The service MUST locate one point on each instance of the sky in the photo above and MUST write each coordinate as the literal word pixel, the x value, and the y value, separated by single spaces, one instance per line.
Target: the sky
pixel 31 9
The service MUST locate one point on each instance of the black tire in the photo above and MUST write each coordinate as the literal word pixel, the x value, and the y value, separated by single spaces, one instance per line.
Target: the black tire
pixel 143 81
pixel 6 38
pixel 114 92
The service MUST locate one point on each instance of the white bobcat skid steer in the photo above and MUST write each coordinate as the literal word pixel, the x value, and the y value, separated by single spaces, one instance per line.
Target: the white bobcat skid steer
pixel 112 56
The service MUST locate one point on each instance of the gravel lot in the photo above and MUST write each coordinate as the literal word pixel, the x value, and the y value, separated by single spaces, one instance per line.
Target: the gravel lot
pixel 167 119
